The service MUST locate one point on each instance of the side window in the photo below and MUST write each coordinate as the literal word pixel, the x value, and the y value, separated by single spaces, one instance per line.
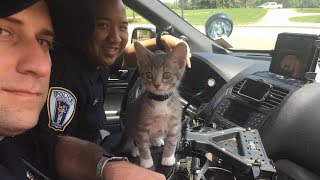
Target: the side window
pixel 135 20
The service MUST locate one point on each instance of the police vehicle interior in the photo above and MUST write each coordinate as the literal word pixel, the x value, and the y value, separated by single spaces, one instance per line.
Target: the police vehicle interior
pixel 243 119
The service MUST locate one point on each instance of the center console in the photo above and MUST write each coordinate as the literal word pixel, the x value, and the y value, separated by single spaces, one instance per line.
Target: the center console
pixel 252 100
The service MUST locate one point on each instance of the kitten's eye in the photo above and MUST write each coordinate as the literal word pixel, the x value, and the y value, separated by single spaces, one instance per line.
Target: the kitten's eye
pixel 166 75
pixel 148 75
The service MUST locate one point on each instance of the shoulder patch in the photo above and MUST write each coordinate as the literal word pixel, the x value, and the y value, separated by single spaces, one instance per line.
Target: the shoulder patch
pixel 61 105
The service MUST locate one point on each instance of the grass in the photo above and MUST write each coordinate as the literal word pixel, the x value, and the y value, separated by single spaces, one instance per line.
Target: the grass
pixel 306 19
pixel 199 17
pixel 309 10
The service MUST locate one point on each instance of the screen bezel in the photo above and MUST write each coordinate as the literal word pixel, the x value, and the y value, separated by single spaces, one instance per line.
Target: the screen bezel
pixel 268 89
pixel 305 50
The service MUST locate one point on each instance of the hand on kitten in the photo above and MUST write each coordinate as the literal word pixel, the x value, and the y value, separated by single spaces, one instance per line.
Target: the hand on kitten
pixel 170 42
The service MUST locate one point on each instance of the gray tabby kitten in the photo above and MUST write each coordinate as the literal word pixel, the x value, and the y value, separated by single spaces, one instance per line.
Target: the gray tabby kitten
pixel 155 117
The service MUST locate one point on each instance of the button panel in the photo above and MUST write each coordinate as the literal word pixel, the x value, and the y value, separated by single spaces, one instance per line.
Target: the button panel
pixel 255 119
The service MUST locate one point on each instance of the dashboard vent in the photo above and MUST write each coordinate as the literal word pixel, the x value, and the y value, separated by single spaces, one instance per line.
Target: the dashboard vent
pixel 237 87
pixel 275 97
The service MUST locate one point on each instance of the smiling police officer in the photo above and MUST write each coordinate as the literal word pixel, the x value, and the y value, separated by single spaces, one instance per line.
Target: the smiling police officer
pixel 82 63
pixel 26 152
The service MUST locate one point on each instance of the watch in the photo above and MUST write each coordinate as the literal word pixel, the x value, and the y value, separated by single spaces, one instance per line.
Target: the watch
pixel 102 162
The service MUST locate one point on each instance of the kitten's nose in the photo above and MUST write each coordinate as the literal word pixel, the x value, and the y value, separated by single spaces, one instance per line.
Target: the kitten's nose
pixel 156 86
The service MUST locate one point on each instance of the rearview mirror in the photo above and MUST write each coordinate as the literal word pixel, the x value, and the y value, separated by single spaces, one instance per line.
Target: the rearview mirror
pixel 218 25
pixel 143 33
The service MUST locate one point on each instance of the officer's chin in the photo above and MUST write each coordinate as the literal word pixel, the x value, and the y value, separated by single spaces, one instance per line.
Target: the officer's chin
pixel 108 60
pixel 24 124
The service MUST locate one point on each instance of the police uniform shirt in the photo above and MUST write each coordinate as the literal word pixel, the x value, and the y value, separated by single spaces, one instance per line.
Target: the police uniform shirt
pixel 75 101
pixel 28 156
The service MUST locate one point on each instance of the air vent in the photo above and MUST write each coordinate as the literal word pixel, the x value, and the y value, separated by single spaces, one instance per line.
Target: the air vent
pixel 275 97
pixel 237 87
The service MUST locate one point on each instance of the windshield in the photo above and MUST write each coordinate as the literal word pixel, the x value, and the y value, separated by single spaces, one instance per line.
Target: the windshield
pixel 256 23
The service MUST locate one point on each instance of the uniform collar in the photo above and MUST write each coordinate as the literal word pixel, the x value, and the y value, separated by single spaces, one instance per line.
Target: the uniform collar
pixel 100 72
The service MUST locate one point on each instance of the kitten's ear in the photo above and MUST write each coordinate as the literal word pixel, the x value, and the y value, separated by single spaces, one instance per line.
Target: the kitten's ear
pixel 179 54
pixel 142 53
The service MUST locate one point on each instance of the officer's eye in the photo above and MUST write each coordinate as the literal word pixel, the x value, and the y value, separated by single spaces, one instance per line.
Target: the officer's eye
pixel 45 43
pixel 4 32
pixel 103 24
pixel 166 75
pixel 148 75
pixel 124 28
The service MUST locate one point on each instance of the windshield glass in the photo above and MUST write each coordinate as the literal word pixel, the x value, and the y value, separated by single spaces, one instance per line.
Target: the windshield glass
pixel 256 23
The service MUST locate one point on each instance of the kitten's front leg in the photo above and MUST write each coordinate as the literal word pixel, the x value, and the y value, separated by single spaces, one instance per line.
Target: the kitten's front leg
pixel 145 154
pixel 169 148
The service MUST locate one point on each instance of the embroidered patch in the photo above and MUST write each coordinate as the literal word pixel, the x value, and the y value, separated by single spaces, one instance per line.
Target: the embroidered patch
pixel 61 104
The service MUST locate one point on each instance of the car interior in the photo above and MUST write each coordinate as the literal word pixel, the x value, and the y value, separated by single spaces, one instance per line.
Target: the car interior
pixel 254 120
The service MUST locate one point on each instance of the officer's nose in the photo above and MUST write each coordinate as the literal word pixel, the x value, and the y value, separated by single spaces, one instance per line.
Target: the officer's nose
pixel 34 59
pixel 114 35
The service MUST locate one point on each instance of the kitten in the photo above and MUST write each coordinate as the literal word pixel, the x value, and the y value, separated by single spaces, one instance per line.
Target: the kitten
pixel 155 116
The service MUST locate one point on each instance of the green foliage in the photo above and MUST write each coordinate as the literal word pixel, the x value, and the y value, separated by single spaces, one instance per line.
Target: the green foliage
pixel 174 5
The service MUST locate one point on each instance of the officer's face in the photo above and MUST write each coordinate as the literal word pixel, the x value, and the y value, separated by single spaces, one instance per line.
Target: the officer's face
pixel 24 67
pixel 111 31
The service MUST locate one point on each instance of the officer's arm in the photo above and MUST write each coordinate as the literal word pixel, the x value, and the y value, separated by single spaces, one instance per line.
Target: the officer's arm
pixel 129 57
pixel 77 159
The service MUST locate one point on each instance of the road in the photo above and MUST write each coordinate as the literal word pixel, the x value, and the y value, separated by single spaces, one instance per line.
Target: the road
pixel 263 35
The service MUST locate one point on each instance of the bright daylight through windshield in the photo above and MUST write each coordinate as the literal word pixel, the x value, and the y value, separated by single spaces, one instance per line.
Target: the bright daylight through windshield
pixel 256 22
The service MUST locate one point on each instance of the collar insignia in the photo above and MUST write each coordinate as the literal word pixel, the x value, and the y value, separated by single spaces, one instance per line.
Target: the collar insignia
pixel 95 101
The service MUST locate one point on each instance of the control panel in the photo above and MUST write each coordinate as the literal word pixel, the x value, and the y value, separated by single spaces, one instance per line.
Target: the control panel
pixel 230 114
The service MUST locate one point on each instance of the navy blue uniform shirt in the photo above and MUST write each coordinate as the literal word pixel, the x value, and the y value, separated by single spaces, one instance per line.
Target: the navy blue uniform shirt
pixel 28 156
pixel 77 90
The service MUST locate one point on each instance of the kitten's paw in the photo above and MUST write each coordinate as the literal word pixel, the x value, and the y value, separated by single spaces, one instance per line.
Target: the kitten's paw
pixel 168 161
pixel 157 142
pixel 135 152
pixel 146 163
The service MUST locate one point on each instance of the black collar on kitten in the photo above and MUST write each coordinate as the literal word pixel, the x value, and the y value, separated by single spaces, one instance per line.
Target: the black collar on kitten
pixel 158 97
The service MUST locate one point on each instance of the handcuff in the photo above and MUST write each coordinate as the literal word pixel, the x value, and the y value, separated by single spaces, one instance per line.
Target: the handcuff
pixel 103 161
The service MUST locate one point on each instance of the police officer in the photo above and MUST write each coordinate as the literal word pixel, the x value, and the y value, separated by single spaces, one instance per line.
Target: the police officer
pixel 78 80
pixel 26 34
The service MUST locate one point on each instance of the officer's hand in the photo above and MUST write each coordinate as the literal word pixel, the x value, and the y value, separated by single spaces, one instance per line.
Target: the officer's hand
pixel 170 42
pixel 124 170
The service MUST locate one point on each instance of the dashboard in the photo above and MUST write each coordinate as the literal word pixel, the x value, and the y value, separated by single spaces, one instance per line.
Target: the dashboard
pixel 283 109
